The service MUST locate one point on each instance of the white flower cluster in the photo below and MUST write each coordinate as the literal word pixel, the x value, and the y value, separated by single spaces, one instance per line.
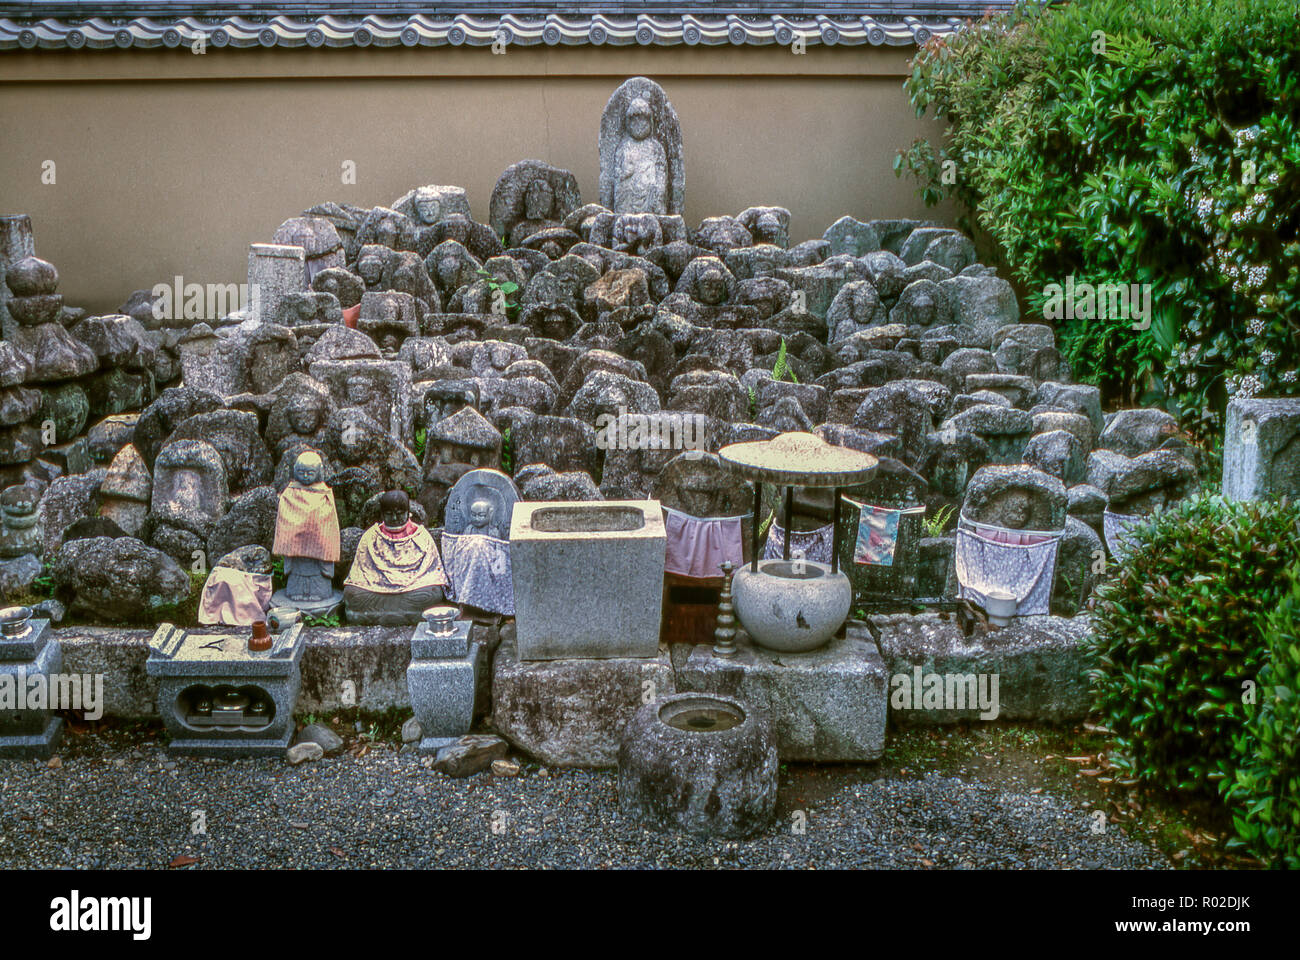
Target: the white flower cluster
pixel 1255 326
pixel 1256 276
pixel 1250 386
pixel 1246 135
pixel 1289 376
pixel 1266 357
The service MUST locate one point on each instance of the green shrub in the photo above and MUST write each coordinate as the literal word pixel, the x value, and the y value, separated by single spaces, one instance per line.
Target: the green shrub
pixel 1265 793
pixel 1136 142
pixel 1176 632
pixel 507 453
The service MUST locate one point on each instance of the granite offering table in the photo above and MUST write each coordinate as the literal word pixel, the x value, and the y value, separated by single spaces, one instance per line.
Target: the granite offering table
pixel 218 698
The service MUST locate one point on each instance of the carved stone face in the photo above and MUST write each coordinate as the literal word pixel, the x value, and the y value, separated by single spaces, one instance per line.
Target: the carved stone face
pixel 428 207
pixel 501 356
pixel 395 518
pixel 449 272
pixel 306 471
pixel 712 287
pixel 639 122
pixel 768 228
pixel 924 307
pixel 480 515
pixel 371 268
pixel 539 200
pixel 304 415
pixel 386 232
pixel 388 343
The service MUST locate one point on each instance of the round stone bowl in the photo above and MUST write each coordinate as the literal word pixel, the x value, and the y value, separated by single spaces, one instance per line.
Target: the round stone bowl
pixel 791 605
pixel 702 763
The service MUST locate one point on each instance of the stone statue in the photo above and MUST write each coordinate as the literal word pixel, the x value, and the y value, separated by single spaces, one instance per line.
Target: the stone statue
pixel 307 536
pixel 432 203
pixel 530 196
pixel 397 572
pixel 641 169
pixel 475 541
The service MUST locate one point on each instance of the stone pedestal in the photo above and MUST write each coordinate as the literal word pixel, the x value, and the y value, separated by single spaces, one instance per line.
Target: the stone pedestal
pixel 1261 449
pixel 217 671
pixel 571 713
pixel 588 578
pixel 1040 667
pixel 310 608
pixel 828 704
pixel 28 733
pixel 442 679
pixel 274 271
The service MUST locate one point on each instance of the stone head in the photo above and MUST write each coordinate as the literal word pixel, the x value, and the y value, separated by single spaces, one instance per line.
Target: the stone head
pixel 711 287
pixel 638 121
pixel 449 271
pixel 768 228
pixel 924 308
pixel 480 515
pixel 308 469
pixel 539 200
pixel 395 509
pixel 370 265
pixel 305 413
pixel 386 232
pixel 428 206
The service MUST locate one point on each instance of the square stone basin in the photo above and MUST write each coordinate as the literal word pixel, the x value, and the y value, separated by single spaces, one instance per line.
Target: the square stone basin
pixel 588 578
pixel 587 518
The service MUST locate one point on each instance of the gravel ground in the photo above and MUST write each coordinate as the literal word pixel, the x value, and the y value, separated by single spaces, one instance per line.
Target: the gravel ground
pixel 126 805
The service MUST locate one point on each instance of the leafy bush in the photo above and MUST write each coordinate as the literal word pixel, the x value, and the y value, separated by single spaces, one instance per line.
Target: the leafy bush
pixel 507 453
pixel 1176 632
pixel 1136 142
pixel 1265 793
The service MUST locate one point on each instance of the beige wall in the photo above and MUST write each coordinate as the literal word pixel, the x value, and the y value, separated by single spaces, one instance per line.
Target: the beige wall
pixel 172 163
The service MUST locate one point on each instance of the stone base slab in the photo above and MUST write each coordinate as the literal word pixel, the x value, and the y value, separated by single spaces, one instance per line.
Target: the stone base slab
pixel 229 749
pixel 824 705
pixel 1040 666
pixel 38 746
pixel 571 713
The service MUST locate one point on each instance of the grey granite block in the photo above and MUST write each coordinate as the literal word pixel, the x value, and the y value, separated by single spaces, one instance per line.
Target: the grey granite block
pixel 1041 669
pixel 588 578
pixel 571 713
pixel 824 705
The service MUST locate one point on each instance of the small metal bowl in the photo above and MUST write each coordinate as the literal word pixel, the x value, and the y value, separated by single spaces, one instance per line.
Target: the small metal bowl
pixel 442 619
pixel 13 621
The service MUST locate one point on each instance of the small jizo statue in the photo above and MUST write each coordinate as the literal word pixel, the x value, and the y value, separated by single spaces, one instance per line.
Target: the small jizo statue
pixel 307 533
pixel 397 572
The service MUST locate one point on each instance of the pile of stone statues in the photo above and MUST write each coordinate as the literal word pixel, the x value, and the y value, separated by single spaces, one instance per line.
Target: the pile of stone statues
pixel 390 353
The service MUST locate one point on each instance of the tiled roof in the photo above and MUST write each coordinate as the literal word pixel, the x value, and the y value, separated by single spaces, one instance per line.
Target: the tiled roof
pixel 473 29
